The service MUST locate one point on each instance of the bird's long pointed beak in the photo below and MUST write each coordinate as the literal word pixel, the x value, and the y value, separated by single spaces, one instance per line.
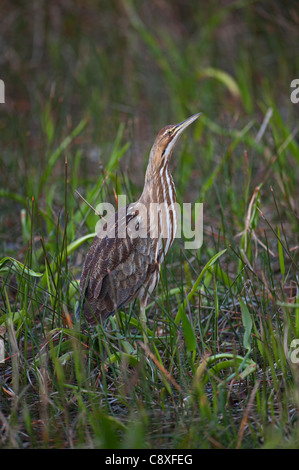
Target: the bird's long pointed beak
pixel 179 128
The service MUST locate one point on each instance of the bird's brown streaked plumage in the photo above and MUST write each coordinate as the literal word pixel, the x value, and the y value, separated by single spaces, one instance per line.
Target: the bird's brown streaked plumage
pixel 114 272
pixel 118 270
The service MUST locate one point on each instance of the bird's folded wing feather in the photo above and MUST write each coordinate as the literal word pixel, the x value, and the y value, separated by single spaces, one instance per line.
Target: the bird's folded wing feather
pixel 115 269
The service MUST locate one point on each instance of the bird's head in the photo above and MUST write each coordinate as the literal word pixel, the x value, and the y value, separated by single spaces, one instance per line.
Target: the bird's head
pixel 165 141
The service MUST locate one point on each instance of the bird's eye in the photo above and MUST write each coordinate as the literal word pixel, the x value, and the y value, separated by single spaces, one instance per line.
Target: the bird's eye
pixel 169 133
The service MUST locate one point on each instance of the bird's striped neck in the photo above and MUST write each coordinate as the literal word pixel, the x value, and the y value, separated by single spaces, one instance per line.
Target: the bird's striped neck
pixel 159 186
pixel 159 190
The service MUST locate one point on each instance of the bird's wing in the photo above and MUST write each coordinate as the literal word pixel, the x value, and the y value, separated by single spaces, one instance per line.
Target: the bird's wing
pixel 115 268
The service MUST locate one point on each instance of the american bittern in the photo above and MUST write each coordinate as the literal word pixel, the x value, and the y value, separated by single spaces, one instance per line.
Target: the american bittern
pixel 121 266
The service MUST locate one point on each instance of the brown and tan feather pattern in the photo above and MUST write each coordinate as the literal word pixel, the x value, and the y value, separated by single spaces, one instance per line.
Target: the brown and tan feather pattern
pixel 118 270
pixel 114 272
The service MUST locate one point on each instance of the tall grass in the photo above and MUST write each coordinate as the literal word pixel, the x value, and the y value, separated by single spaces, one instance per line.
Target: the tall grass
pixel 218 370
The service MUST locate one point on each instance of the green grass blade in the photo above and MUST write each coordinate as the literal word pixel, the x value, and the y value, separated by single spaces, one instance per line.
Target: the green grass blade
pixel 195 285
